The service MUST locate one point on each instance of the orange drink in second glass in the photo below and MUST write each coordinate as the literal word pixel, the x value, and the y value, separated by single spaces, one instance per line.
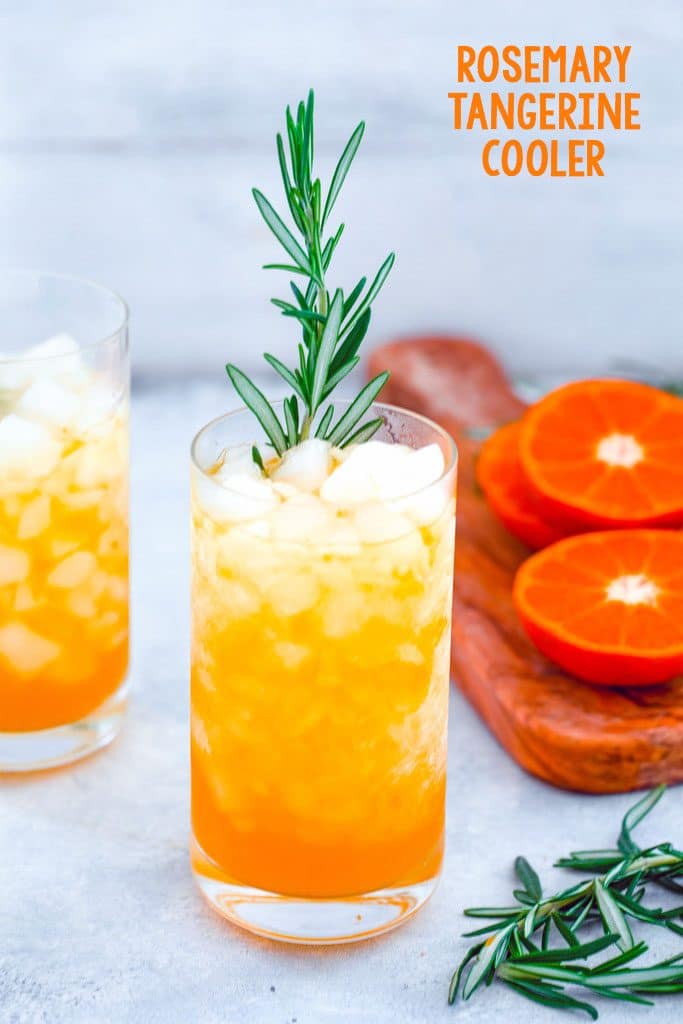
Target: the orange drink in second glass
pixel 63 536
pixel 320 665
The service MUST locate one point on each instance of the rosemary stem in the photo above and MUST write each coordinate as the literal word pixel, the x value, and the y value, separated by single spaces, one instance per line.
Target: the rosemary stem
pixel 322 309
pixel 546 909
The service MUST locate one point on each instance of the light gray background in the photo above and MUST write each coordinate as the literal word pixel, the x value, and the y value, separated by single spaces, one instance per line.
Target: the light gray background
pixel 131 134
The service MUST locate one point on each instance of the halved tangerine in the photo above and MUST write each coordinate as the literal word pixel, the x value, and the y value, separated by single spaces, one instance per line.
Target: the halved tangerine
pixel 607 607
pixel 500 477
pixel 606 453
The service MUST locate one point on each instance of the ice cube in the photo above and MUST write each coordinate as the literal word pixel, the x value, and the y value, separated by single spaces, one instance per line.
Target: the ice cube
pixel 81 498
pixel 410 653
pixel 349 484
pixel 306 466
pixel 344 612
pixel 26 651
pixel 235 552
pixel 11 506
pixel 238 599
pixel 244 498
pixel 420 468
pixel 27 448
pixel 59 548
pixel 112 542
pixel 82 605
pixel 409 555
pixel 92 470
pixel 35 518
pixel 290 654
pixel 199 734
pixel 417 490
pixel 382 458
pixel 15 374
pixel 292 594
pixel 82 601
pixel 255 528
pixel 428 505
pixel 302 519
pixel 98 583
pixel 237 462
pixel 284 490
pixel 24 599
pixel 58 357
pixel 106 622
pixel 61 344
pixel 342 539
pixel 98 404
pixel 117 588
pixel 342 454
pixel 73 570
pixel 369 471
pixel 377 522
pixel 119 639
pixel 14 565
pixel 49 402
pixel 100 459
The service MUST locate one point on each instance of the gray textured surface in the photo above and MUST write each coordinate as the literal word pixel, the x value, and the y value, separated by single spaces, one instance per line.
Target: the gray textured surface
pixel 130 135
pixel 99 917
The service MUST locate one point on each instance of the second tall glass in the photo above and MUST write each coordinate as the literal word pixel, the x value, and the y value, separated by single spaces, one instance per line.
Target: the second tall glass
pixel 64 386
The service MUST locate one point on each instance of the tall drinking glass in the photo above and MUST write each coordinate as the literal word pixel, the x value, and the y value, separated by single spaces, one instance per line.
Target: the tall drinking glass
pixel 320 667
pixel 64 390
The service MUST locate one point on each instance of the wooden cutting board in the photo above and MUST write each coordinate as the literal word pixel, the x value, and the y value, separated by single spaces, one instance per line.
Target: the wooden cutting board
pixel 567 732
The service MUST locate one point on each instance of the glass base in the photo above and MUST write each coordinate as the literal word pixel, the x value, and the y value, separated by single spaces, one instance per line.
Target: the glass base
pixel 319 922
pixel 50 748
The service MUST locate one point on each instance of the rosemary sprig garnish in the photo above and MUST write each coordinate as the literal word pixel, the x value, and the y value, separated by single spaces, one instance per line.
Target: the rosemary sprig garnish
pixel 332 325
pixel 518 953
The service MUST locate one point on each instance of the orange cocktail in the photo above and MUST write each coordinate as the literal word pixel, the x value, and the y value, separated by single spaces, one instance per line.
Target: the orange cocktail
pixel 320 663
pixel 63 549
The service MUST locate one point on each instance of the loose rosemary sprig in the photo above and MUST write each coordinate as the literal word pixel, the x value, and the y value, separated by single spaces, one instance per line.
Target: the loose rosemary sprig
pixel 542 972
pixel 333 325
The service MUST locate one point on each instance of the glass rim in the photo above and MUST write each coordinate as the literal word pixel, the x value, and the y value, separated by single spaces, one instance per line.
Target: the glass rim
pixel 94 286
pixel 451 459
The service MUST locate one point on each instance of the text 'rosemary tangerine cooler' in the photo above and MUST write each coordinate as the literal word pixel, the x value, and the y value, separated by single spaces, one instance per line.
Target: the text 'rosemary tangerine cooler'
pixel 320 664
pixel 63 519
